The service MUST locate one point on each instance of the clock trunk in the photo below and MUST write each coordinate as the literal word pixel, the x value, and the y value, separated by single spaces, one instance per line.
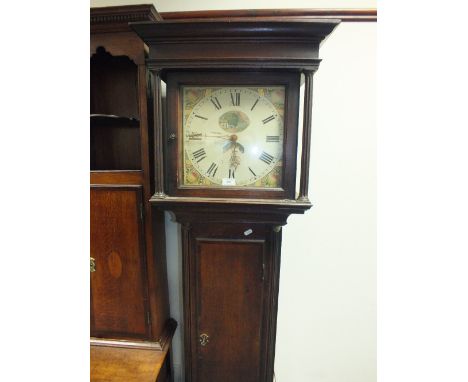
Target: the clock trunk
pixel 232 299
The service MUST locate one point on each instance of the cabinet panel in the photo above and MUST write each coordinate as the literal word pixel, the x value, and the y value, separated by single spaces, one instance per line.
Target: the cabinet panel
pixel 230 307
pixel 119 306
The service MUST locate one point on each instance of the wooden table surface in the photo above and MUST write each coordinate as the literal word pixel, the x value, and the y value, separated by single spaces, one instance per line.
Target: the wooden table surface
pixel 113 364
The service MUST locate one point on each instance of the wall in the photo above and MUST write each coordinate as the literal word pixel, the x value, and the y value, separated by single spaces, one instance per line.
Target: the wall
pixel 326 318
pixel 186 5
pixel 327 312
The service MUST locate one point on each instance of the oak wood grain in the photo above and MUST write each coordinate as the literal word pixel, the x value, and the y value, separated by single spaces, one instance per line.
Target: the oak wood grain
pixel 230 283
pixel 110 364
pixel 230 294
pixel 119 305
pixel 117 177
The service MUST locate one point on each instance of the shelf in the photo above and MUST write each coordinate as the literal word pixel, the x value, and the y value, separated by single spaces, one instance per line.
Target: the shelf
pixel 114 85
pixel 115 143
pixel 132 177
pixel 125 365
pixel 112 120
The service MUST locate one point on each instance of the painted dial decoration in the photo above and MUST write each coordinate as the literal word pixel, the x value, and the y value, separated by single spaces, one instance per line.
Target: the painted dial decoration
pixel 233 136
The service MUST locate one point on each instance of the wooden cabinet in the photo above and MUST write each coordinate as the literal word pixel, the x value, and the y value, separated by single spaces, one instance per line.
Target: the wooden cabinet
pixel 129 296
pixel 119 293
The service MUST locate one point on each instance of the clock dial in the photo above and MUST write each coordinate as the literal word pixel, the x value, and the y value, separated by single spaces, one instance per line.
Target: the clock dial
pixel 233 136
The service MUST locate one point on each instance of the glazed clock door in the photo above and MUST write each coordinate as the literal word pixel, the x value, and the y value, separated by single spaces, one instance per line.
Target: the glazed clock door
pixel 119 306
pixel 229 134
pixel 228 338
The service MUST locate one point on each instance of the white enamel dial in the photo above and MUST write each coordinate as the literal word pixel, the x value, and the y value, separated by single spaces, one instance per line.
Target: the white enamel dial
pixel 233 136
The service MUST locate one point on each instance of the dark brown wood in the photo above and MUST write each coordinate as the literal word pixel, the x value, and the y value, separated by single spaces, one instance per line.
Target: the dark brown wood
pixel 122 44
pixel 247 44
pixel 174 151
pixel 121 146
pixel 277 14
pixel 161 344
pixel 115 19
pixel 116 177
pixel 158 135
pixel 115 143
pixel 231 268
pixel 231 294
pixel 274 240
pixel 119 296
pixel 111 364
pixel 114 85
pixel 306 131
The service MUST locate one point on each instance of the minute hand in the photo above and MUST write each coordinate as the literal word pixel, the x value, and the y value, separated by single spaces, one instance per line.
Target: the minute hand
pixel 198 136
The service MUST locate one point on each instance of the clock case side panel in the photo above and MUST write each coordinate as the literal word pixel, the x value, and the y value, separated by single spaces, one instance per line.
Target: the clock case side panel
pixel 173 148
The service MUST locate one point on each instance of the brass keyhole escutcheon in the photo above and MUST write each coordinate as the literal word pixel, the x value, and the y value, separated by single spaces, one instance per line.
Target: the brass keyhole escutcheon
pixel 92 265
pixel 204 339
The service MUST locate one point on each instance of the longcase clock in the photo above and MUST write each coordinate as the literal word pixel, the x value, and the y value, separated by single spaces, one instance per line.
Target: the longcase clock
pixel 231 173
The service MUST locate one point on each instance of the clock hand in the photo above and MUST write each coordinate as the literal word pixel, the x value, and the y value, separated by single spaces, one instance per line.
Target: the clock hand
pixel 235 159
pixel 199 136
pixel 241 148
pixel 233 144
pixel 228 146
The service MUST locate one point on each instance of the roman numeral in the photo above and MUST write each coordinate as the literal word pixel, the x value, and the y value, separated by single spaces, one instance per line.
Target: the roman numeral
pixel 268 119
pixel 252 172
pixel 236 100
pixel 272 138
pixel 216 103
pixel 231 173
pixel 200 154
pixel 212 169
pixel 199 116
pixel 255 104
pixel 265 157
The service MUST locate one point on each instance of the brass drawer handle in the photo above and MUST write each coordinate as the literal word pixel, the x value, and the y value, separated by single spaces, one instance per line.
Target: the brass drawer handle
pixel 92 265
pixel 204 339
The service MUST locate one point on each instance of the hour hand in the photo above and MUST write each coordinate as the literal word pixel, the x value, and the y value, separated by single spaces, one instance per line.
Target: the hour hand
pixel 228 146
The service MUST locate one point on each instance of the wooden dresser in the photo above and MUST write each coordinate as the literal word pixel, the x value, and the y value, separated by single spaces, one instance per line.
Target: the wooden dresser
pixel 131 329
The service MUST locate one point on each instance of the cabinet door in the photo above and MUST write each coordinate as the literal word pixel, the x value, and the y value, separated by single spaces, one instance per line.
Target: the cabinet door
pixel 119 304
pixel 230 300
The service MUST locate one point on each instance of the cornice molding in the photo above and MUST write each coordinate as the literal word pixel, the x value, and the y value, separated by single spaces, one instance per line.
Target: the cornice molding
pixel 114 19
pixel 350 15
